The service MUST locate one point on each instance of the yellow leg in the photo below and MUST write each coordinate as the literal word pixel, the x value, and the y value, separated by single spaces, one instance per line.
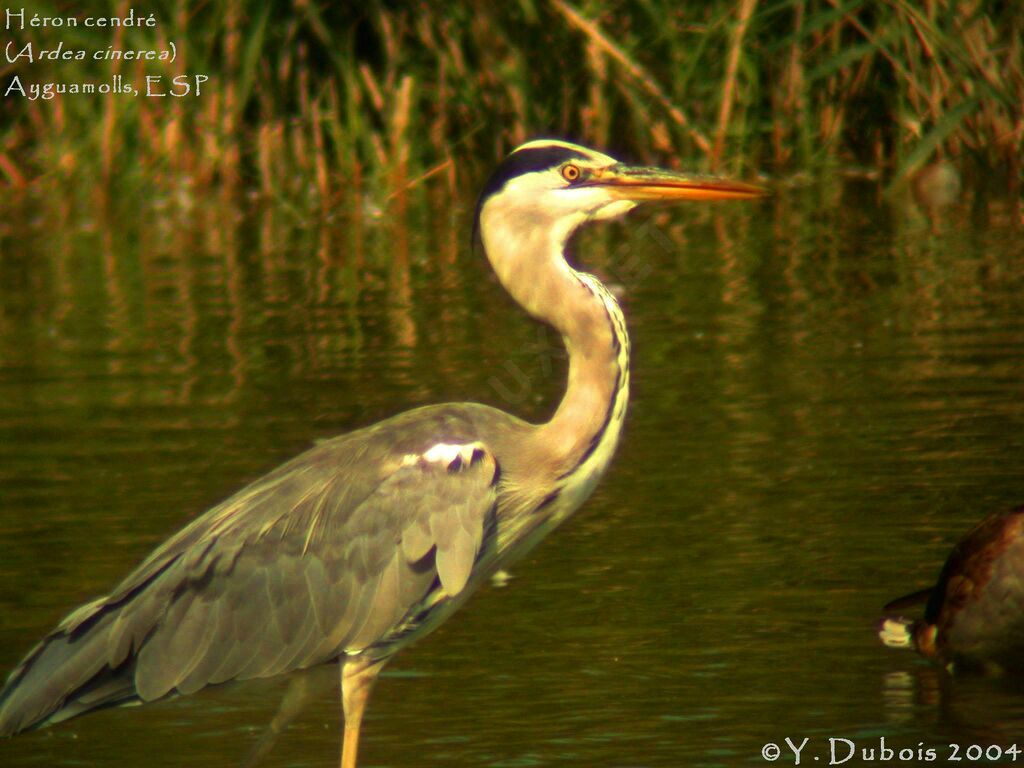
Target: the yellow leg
pixel 357 679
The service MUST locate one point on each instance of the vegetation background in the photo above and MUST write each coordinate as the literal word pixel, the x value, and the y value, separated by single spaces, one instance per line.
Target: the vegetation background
pixel 309 101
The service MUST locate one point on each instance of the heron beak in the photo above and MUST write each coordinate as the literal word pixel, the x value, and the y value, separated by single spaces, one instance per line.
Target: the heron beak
pixel 638 184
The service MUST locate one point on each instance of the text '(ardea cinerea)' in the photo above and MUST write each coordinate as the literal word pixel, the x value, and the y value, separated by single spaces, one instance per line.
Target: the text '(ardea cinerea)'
pixel 368 541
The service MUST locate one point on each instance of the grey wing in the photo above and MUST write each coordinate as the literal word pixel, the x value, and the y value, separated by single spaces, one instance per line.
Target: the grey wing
pixel 293 571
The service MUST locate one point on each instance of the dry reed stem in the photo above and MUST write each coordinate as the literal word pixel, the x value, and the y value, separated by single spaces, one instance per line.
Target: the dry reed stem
pixel 444 165
pixel 320 161
pixel 794 96
pixel 596 118
pixel 14 176
pixel 110 106
pixel 175 124
pixel 229 161
pixel 729 85
pixel 637 72
pixel 263 151
pixel 399 144
pixel 372 89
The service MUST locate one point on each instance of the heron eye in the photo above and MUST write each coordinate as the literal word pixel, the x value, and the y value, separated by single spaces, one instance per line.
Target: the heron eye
pixel 571 172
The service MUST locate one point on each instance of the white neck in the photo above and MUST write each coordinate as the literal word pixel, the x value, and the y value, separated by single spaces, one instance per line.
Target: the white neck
pixel 583 432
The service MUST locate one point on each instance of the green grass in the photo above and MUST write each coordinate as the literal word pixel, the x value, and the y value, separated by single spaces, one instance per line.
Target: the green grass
pixel 310 102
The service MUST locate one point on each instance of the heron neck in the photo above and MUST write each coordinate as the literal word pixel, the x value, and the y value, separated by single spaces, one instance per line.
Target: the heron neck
pixel 531 266
pixel 587 422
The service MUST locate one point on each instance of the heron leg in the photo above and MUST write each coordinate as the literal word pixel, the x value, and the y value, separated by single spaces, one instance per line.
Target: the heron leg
pixel 357 678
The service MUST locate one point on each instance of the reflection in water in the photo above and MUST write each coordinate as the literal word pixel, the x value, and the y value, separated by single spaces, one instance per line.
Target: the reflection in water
pixel 978 710
pixel 303 687
pixel 827 393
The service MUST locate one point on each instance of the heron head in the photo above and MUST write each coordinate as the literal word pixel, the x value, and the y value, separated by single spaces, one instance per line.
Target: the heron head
pixel 557 186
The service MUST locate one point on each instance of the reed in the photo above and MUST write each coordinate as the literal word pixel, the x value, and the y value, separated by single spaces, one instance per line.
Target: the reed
pixel 309 101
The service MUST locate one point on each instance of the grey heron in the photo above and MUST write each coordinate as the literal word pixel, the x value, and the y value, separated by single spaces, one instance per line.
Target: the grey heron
pixel 369 540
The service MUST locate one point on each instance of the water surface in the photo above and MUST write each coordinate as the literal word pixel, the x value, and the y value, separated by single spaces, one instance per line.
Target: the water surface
pixel 827 394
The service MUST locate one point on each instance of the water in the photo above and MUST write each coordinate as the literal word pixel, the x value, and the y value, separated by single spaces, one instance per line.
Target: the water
pixel 827 394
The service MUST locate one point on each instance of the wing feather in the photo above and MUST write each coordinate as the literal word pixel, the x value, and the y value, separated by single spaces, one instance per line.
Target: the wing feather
pixel 416 540
pixel 202 671
pixel 341 550
pixel 359 616
pixel 192 643
pixel 155 667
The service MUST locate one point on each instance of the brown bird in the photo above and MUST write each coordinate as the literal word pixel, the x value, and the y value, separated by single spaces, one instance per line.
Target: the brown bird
pixel 368 541
pixel 974 615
